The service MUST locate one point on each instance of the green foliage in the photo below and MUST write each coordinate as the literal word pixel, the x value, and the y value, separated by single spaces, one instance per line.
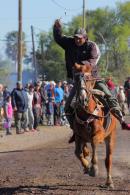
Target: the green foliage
pixel 5 69
pixel 109 28
pixel 50 58
pixel 12 45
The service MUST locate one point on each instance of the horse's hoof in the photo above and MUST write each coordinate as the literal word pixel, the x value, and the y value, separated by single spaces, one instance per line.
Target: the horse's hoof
pixel 110 186
pixel 86 170
pixel 93 171
pixel 107 186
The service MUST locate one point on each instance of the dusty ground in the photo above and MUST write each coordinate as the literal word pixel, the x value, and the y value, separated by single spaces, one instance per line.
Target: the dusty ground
pixel 44 163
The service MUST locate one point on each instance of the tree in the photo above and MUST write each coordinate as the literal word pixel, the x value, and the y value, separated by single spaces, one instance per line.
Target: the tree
pixel 50 58
pixel 5 69
pixel 12 45
pixel 109 28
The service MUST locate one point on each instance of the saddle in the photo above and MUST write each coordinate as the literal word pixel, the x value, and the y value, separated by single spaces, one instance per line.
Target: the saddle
pixel 102 103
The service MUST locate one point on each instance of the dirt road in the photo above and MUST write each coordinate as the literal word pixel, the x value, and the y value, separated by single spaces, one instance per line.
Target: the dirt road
pixel 44 163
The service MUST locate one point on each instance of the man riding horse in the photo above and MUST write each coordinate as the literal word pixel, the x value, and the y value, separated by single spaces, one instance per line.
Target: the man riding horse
pixel 80 53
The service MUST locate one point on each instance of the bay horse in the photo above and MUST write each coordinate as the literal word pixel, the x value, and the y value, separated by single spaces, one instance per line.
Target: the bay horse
pixel 92 124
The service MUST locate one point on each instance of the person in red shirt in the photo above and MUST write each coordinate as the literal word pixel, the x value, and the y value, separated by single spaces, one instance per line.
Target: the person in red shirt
pixel 111 85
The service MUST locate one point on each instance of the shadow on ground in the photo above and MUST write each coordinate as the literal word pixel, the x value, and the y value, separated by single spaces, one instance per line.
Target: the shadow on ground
pixel 47 189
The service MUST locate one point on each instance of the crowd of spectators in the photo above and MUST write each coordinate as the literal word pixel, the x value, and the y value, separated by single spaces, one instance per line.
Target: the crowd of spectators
pixel 39 103
pixel 43 102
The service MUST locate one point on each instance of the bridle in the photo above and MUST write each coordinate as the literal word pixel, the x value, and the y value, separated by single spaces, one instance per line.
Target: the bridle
pixel 84 78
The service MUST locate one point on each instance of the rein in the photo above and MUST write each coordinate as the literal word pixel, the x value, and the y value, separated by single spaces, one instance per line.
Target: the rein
pixel 91 118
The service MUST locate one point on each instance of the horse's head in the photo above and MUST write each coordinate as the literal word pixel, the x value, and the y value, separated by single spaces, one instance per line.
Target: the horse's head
pixel 85 84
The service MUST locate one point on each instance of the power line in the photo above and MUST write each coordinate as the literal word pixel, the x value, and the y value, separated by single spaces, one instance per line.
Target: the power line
pixel 67 9
pixel 29 18
pixel 4 40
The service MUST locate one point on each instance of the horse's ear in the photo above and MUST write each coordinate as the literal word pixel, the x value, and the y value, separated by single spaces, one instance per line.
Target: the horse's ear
pixel 83 68
pixel 77 67
pixel 86 68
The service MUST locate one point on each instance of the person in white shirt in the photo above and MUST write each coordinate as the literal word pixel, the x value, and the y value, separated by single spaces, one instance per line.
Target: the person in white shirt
pixel 30 94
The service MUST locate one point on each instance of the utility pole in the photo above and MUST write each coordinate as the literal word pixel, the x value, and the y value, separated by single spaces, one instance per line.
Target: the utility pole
pixel 83 25
pixel 34 53
pixel 20 41
pixel 42 52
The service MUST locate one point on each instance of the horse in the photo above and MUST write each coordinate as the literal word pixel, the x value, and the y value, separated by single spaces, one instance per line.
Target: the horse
pixel 92 124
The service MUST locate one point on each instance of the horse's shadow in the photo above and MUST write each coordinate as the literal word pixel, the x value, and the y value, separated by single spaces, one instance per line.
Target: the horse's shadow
pixel 46 188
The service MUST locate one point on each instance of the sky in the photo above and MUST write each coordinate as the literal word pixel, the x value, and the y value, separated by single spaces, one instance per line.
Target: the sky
pixel 42 13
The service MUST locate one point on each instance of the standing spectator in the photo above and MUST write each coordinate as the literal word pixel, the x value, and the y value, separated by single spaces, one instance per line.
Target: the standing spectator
pixel 1 102
pixel 66 92
pixel 50 111
pixel 122 100
pixel 26 88
pixel 111 85
pixel 37 105
pixel 127 91
pixel 50 103
pixel 59 94
pixel 44 99
pixel 70 87
pixel 127 84
pixel 30 115
pixel 63 119
pixel 20 105
pixel 8 113
pixel 6 92
pixel 50 91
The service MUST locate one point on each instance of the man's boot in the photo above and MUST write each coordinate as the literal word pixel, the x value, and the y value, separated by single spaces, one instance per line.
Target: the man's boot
pixel 72 139
pixel 118 114
pixel 116 111
pixel 70 118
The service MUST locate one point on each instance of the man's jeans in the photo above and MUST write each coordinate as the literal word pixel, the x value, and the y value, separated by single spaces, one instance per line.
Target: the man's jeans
pixel 20 120
pixel 30 118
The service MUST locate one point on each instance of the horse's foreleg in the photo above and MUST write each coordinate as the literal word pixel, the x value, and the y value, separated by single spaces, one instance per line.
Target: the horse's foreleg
pixel 108 161
pixel 94 161
pixel 79 152
pixel 86 151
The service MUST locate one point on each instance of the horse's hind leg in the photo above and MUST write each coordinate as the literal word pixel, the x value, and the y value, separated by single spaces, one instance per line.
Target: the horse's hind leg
pixel 80 152
pixel 109 141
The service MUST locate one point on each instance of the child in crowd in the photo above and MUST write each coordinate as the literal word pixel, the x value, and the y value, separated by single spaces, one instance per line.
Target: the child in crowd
pixel 8 112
